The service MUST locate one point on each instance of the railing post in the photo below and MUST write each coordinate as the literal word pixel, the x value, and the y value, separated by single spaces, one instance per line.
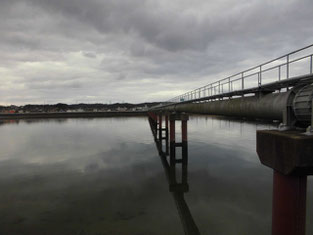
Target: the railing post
pixel 219 87
pixel 279 72
pixel 311 64
pixel 242 81
pixel 260 75
pixel 287 67
pixel 228 84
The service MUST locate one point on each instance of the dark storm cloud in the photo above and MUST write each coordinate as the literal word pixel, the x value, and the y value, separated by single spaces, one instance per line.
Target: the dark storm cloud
pixel 174 30
pixel 123 49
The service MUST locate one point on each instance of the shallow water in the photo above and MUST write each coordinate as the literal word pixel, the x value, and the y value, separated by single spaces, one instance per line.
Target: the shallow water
pixel 104 176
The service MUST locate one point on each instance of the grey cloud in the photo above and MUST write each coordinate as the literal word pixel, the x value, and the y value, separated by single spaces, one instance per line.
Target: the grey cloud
pixel 113 45
pixel 48 85
pixel 174 31
pixel 90 54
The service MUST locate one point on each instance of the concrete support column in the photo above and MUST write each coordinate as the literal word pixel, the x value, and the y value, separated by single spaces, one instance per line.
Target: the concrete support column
pixel 289 154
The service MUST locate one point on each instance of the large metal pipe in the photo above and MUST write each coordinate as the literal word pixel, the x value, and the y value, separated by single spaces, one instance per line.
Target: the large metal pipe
pixel 262 106
pixel 269 106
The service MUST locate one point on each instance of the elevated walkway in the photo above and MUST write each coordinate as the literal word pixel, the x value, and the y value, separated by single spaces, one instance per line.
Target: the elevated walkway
pixel 284 72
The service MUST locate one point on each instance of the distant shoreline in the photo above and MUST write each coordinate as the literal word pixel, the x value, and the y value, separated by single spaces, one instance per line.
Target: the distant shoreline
pixel 5 116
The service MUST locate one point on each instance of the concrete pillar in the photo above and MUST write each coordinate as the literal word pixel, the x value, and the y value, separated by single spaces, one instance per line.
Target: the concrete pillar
pixel 289 154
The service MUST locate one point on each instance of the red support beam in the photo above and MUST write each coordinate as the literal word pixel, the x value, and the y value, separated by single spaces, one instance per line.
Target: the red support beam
pixel 184 130
pixel 160 128
pixel 289 154
pixel 172 142
pixel 289 204
pixel 166 135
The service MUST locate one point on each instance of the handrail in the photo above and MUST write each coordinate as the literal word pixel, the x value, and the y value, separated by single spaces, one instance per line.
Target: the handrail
pixel 216 86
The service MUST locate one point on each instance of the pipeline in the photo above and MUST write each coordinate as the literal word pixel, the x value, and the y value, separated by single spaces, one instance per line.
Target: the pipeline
pixel 261 106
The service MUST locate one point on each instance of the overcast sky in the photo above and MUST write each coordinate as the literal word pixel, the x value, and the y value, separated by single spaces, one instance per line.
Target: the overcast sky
pixel 104 51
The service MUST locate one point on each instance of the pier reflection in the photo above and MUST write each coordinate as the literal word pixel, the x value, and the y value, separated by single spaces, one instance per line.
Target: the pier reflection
pixel 176 169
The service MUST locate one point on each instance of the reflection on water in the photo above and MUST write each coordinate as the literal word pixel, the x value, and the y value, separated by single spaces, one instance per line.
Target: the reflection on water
pixel 176 187
pixel 104 176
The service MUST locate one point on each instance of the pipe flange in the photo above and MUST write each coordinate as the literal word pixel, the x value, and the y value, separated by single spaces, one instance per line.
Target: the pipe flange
pixel 302 104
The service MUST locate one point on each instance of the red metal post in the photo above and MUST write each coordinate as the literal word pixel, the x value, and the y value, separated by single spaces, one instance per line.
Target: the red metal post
pixel 166 135
pixel 289 204
pixel 160 128
pixel 184 148
pixel 184 130
pixel 289 154
pixel 172 141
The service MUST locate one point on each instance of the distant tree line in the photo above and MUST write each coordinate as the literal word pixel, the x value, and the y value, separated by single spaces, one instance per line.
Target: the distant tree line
pixel 61 107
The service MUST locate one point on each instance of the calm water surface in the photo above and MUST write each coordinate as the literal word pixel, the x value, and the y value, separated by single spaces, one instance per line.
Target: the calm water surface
pixel 104 176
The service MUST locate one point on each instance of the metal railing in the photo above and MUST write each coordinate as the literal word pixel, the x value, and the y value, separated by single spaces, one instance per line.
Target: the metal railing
pixel 279 68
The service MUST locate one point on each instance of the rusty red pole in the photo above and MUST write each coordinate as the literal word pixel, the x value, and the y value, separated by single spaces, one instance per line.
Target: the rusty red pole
pixel 289 154
pixel 184 148
pixel 160 128
pixel 172 140
pixel 289 204
pixel 184 130
pixel 184 140
pixel 166 134
pixel 156 123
